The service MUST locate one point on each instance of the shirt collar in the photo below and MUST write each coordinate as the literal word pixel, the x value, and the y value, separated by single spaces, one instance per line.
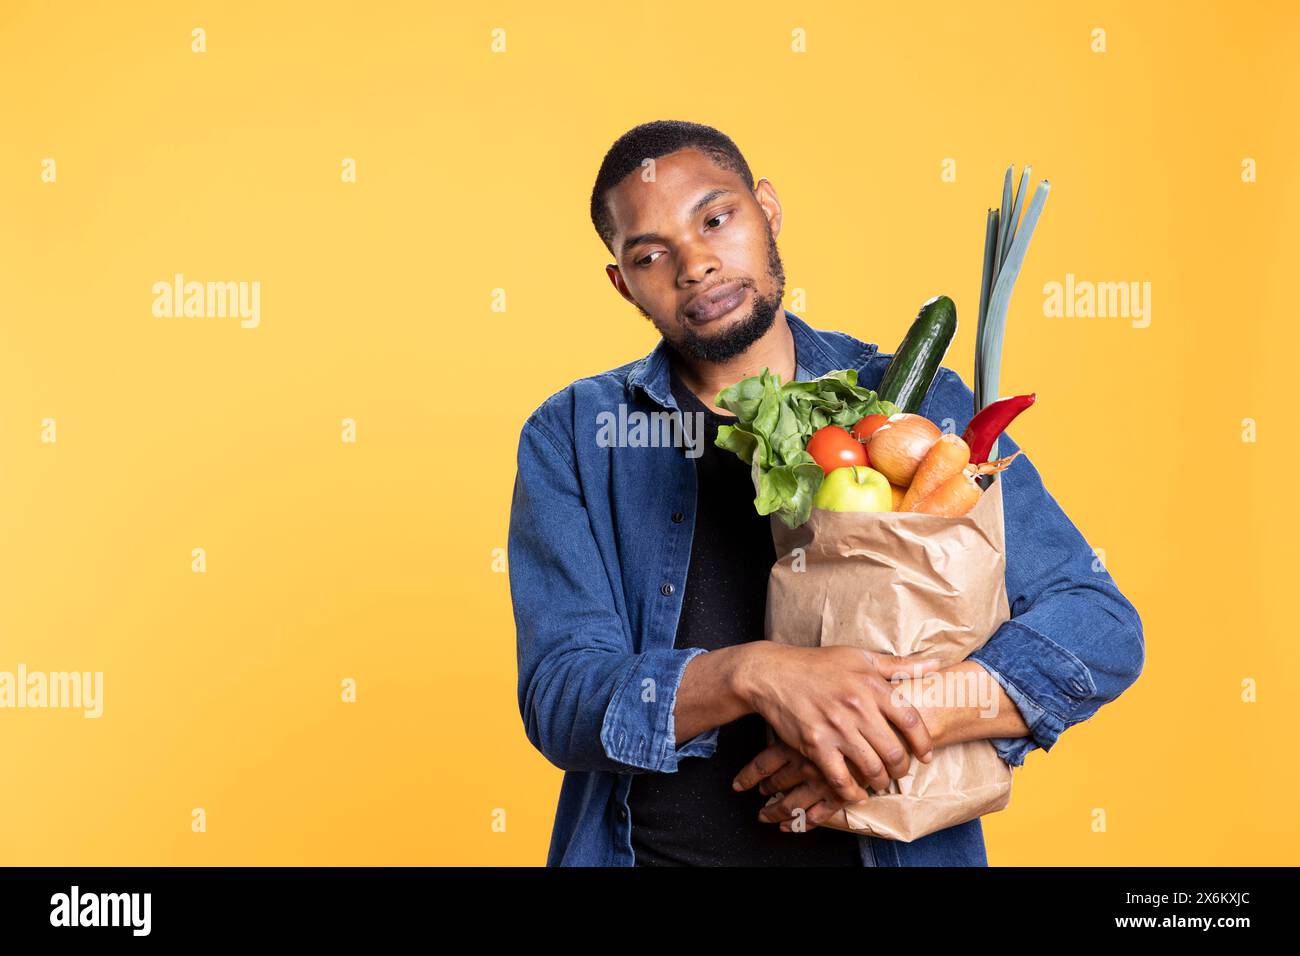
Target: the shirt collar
pixel 816 353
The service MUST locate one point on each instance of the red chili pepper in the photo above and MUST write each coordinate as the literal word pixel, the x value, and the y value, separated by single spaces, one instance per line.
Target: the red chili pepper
pixel 990 422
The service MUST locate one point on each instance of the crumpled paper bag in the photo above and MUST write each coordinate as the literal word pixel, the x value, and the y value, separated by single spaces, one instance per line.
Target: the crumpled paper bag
pixel 911 585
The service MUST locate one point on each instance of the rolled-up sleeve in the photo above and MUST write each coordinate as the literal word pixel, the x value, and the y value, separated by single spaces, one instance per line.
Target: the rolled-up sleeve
pixel 588 702
pixel 1073 642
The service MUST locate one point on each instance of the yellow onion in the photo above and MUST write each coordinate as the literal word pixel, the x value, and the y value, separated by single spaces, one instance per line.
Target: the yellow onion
pixel 897 447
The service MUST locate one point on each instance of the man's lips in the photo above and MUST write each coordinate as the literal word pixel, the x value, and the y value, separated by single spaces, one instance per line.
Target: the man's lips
pixel 715 303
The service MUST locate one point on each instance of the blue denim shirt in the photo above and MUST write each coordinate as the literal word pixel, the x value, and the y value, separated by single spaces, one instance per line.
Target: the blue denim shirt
pixel 599 547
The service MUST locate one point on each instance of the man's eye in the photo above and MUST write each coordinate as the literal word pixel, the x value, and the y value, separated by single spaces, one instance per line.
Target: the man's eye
pixel 724 216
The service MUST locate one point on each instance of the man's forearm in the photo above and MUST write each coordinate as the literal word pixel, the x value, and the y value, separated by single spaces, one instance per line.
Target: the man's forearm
pixel 962 702
pixel 711 692
pixel 965 702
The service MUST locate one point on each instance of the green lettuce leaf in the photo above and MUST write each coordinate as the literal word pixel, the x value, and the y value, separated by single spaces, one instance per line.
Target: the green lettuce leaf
pixel 773 425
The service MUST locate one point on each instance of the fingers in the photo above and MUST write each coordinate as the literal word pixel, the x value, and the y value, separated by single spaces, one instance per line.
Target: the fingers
pixel 909 723
pixel 822 811
pixel 865 764
pixel 814 816
pixel 767 762
pixel 802 770
pixel 870 741
pixel 843 784
pixel 889 665
pixel 790 776
pixel 785 806
pixel 881 739
pixel 813 798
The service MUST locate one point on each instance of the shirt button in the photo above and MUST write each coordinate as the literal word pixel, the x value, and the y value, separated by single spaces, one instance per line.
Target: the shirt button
pixel 678 517
pixel 666 589
pixel 622 813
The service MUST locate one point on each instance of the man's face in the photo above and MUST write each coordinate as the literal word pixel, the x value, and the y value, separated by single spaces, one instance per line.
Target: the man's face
pixel 697 254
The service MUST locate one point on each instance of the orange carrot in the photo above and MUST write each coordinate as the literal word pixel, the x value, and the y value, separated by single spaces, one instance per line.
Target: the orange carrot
pixel 898 497
pixel 952 499
pixel 946 457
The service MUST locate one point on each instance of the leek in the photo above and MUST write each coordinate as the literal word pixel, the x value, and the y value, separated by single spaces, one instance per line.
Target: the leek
pixel 1006 242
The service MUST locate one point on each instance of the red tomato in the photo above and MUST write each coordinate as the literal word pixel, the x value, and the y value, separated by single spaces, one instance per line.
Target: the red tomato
pixel 832 447
pixel 864 429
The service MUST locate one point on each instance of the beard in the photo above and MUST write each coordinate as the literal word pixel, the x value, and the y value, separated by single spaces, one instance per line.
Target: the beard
pixel 740 335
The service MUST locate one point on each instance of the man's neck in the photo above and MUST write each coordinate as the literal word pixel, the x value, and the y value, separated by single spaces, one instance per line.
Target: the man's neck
pixel 774 351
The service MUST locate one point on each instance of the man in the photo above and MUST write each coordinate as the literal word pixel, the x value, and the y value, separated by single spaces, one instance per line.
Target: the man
pixel 638 569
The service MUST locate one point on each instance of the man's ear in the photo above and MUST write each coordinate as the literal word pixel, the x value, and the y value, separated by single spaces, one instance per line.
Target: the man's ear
pixel 616 277
pixel 765 196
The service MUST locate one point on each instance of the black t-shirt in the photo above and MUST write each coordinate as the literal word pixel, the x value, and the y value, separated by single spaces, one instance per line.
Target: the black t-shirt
pixel 693 817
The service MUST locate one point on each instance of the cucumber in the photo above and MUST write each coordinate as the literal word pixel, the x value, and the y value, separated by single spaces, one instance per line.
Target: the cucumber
pixel 913 367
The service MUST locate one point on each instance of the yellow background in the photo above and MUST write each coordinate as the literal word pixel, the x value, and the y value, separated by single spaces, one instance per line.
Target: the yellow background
pixel 374 561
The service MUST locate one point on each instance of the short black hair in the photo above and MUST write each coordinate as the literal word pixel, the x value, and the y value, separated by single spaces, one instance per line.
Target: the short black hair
pixel 650 141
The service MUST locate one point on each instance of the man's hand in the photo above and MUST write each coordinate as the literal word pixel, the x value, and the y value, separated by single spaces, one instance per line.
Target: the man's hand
pixel 836 707
pixel 782 769
pixel 957 703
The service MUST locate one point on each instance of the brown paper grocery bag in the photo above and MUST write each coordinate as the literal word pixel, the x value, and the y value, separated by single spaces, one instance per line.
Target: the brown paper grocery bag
pixel 911 585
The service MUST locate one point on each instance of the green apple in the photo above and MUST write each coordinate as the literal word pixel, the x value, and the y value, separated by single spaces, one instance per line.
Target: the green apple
pixel 854 488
